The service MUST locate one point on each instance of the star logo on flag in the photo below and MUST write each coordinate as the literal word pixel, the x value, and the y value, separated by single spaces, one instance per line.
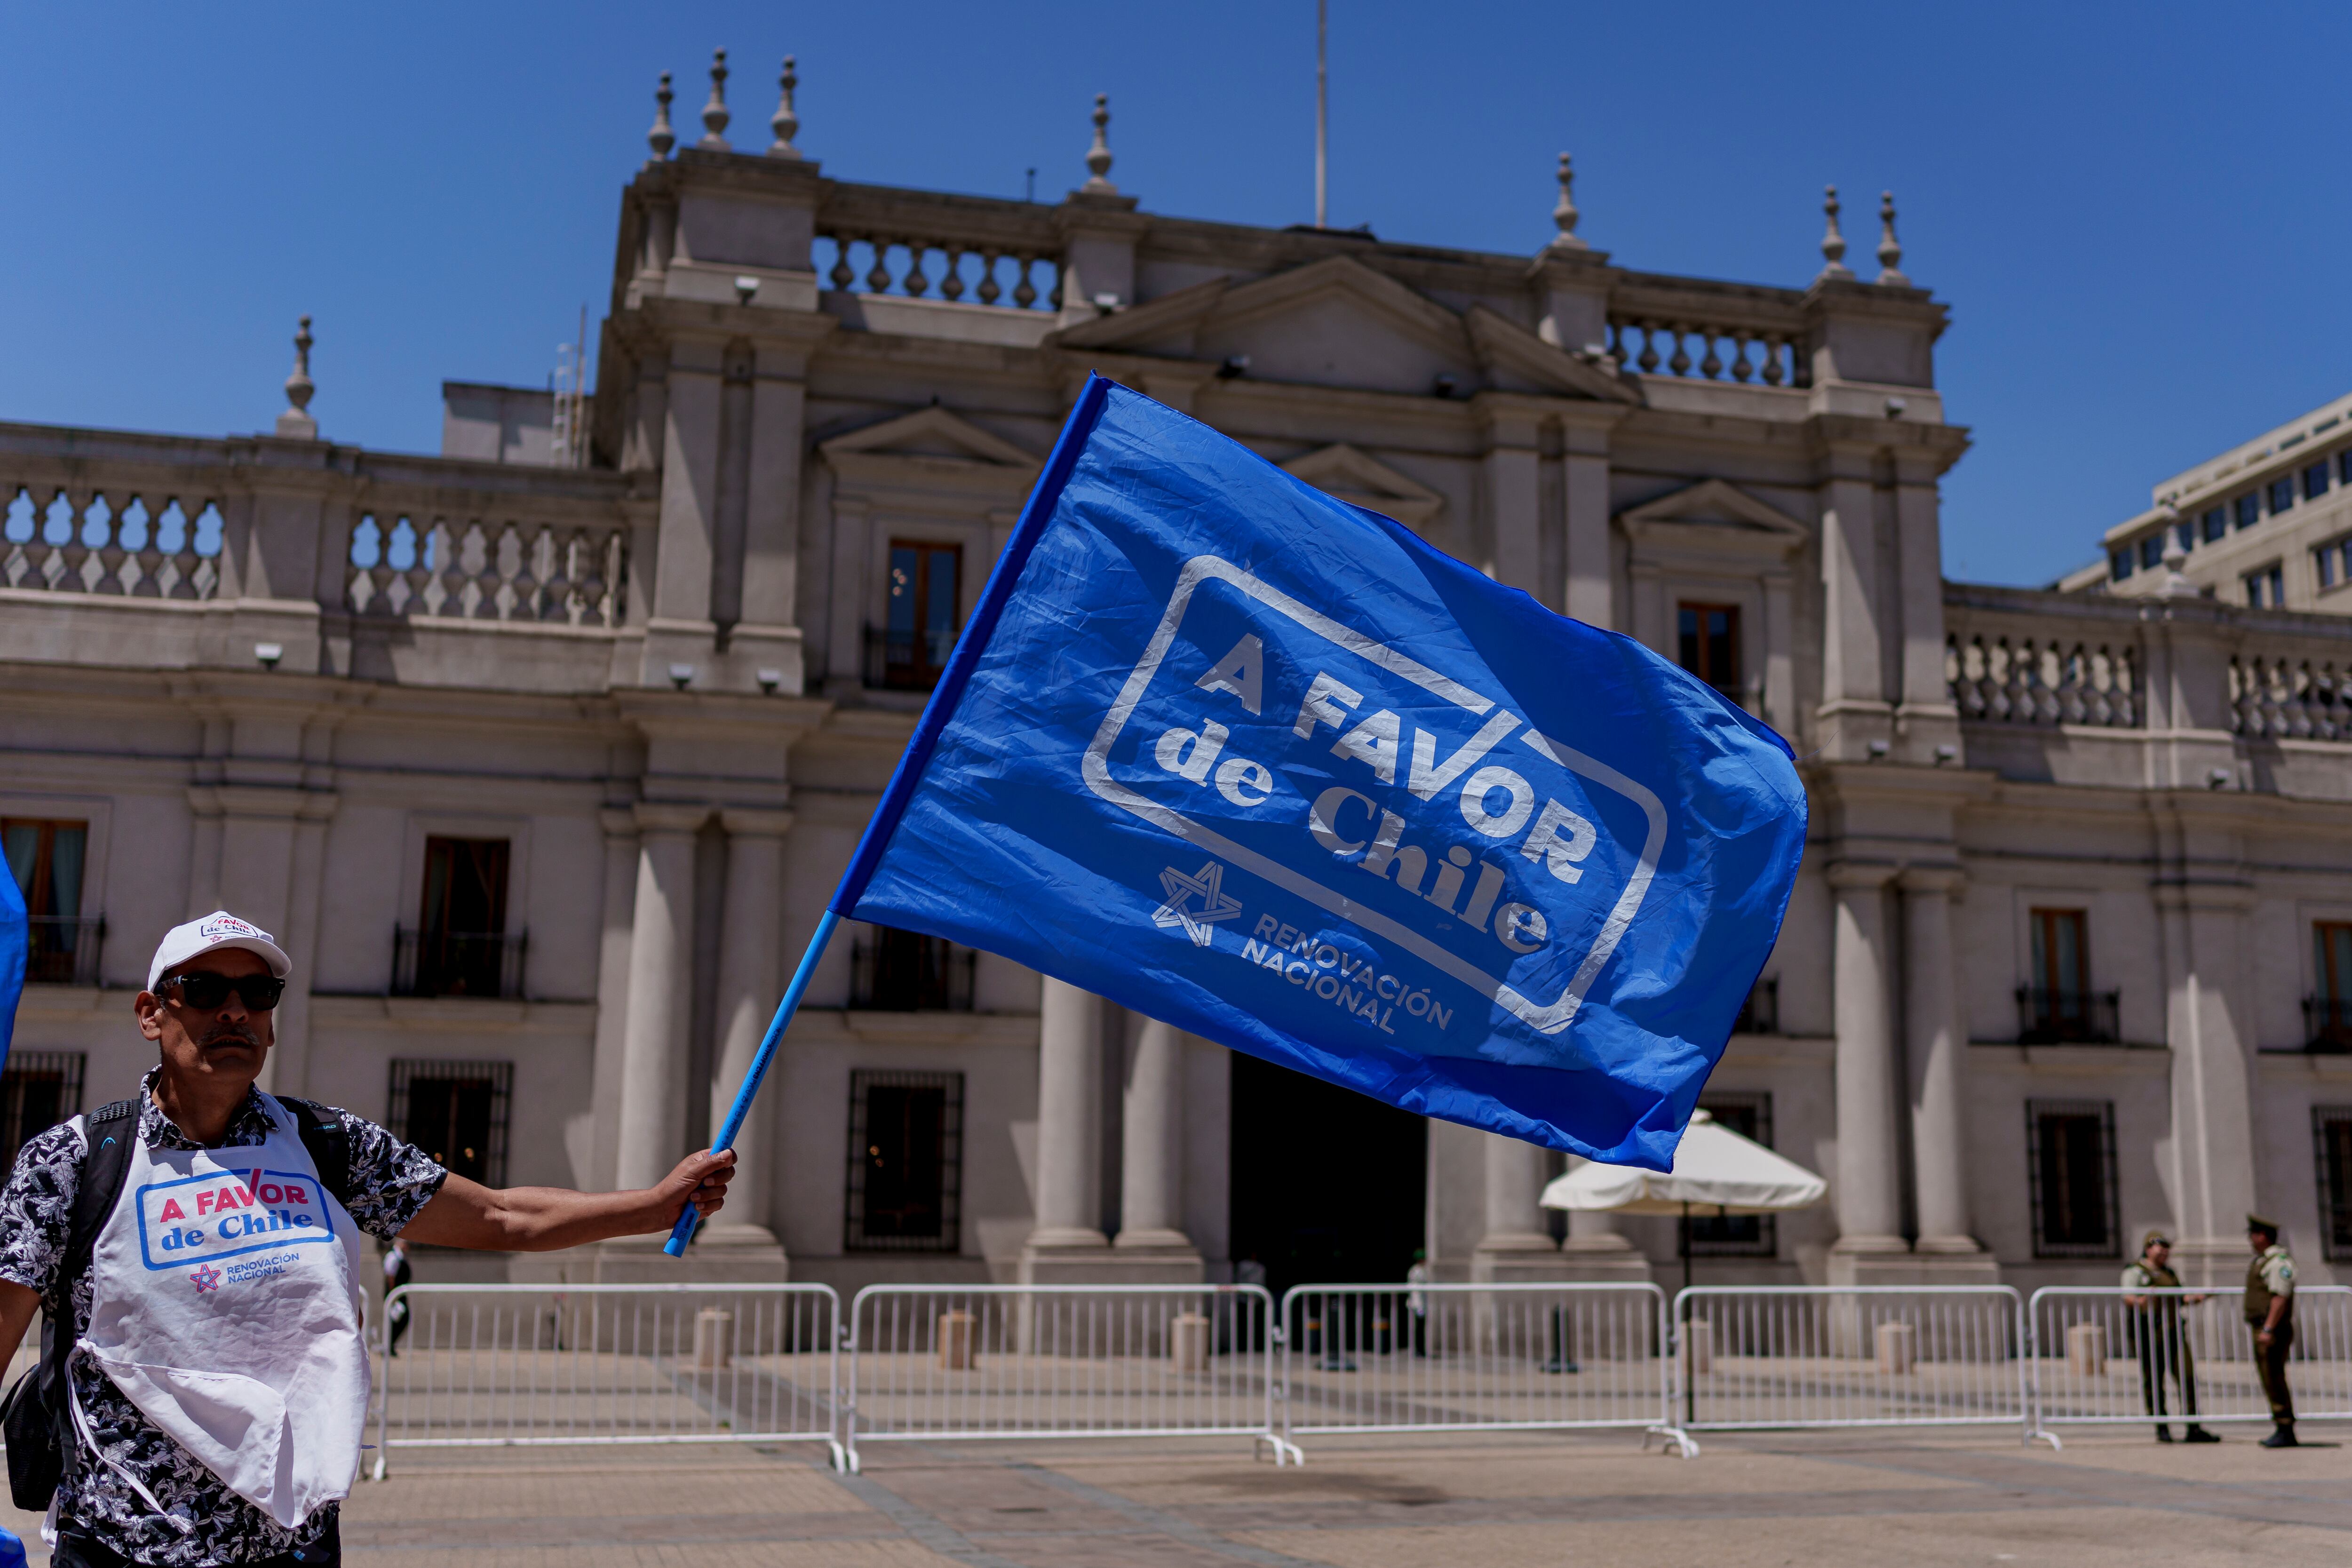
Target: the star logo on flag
pixel 1207 885
pixel 207 1279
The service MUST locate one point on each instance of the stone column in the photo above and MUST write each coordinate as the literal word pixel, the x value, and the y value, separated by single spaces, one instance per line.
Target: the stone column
pixel 1516 1244
pixel 661 972
pixel 1590 592
pixel 1932 1030
pixel 750 983
pixel 1152 1245
pixel 1854 708
pixel 618 924
pixel 2201 922
pixel 1152 1165
pixel 1869 1191
pixel 1069 1120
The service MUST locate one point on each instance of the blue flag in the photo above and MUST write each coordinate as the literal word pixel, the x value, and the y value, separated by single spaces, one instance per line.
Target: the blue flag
pixel 1266 766
pixel 15 950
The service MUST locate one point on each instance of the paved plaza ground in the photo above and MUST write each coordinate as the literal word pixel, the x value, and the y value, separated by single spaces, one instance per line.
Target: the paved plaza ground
pixel 1487 1502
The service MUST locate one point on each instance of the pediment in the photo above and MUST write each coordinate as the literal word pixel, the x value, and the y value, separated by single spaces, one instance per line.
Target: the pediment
pixel 1362 480
pixel 1516 360
pixel 1714 514
pixel 933 433
pixel 1338 322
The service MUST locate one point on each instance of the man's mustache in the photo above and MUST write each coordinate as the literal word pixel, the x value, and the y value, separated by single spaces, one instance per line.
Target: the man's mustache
pixel 231 1032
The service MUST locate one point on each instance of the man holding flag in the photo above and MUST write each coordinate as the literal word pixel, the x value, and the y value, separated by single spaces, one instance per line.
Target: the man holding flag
pixel 1264 765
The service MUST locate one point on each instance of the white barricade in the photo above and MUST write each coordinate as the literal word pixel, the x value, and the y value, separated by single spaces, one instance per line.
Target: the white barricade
pixel 935 1363
pixel 2105 1354
pixel 510 1365
pixel 1471 1357
pixel 1830 1355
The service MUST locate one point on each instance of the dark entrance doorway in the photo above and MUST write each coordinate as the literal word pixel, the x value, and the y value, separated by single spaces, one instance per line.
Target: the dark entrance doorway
pixel 1328 1184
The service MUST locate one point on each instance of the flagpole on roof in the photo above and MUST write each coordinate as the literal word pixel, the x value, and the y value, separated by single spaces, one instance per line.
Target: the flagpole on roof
pixel 1322 118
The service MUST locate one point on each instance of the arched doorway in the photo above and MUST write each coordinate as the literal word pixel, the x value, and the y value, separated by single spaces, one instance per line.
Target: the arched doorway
pixel 1328 1184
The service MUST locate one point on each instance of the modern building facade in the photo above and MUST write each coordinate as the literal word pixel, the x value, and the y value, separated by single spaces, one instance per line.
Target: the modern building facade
pixel 542 754
pixel 2266 524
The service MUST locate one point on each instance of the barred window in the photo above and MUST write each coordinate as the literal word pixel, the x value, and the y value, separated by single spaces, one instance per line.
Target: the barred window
pixel 457 1112
pixel 2249 508
pixel 906 1162
pixel 1737 1236
pixel 2071 1169
pixel 39 1089
pixel 2217 524
pixel 2331 1137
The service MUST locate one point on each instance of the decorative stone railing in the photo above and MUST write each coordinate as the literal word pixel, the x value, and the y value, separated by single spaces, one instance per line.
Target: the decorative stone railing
pixel 1736 353
pixel 105 515
pixel 2049 680
pixel 889 264
pixel 1739 333
pixel 872 240
pixel 2292 696
pixel 124 539
pixel 474 569
pixel 2018 657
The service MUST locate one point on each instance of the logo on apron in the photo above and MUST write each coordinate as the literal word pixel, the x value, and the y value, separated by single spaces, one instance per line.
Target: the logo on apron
pixel 225 1213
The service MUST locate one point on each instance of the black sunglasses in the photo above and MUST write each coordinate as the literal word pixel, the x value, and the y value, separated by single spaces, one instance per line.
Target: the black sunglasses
pixel 205 991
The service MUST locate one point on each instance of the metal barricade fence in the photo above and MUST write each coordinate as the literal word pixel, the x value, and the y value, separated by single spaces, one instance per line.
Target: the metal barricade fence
pixel 2105 1354
pixel 513 1365
pixel 1470 1357
pixel 938 1363
pixel 1833 1355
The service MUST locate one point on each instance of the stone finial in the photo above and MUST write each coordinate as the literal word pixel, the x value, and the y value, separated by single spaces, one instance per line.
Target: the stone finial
pixel 1832 241
pixel 2176 584
pixel 784 122
pixel 1890 251
pixel 714 113
pixel 1098 156
pixel 1565 215
pixel 296 423
pixel 661 139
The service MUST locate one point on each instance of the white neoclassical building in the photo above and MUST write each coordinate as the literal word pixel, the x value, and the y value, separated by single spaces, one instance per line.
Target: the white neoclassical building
pixel 543 753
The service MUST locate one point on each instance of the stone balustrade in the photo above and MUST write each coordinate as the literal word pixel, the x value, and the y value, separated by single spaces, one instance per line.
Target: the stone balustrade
pixel 90 516
pixel 1727 332
pixel 2290 693
pixel 873 239
pixel 487 569
pixel 2058 676
pixel 127 539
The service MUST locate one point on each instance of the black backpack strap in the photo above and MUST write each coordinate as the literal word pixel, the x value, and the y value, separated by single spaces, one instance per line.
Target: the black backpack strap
pixel 330 1146
pixel 111 1130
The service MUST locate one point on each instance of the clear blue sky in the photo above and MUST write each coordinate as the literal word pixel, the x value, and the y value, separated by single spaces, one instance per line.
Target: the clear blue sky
pixel 2137 214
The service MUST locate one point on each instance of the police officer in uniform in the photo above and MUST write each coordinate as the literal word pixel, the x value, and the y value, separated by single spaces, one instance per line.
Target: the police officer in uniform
pixel 2270 1313
pixel 2163 1347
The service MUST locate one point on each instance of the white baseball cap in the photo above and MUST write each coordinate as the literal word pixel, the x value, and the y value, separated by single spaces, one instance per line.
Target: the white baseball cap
pixel 217 930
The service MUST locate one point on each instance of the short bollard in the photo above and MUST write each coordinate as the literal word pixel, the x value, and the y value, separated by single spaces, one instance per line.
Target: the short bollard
pixel 1898 1348
pixel 714 1338
pixel 1188 1343
pixel 956 1326
pixel 1699 1346
pixel 2086 1350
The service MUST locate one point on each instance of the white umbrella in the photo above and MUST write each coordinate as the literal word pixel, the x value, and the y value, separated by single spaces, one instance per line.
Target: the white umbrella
pixel 1715 1169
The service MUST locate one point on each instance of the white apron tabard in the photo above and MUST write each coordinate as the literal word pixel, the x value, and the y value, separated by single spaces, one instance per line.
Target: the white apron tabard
pixel 226 1306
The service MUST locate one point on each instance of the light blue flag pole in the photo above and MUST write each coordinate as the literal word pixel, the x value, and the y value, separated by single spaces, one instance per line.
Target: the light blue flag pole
pixel 1267 767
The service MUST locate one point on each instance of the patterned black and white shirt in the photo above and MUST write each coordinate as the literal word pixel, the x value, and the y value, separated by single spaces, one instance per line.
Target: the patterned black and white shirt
pixel 391 1181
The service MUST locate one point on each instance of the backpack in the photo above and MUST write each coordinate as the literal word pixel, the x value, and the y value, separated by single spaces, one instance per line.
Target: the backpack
pixel 34 1417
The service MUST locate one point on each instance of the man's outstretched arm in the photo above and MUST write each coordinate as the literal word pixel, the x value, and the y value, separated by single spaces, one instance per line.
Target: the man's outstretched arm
pixel 541 1220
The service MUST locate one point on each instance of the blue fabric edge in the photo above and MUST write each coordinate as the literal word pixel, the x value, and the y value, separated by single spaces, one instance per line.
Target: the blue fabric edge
pixel 973 641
